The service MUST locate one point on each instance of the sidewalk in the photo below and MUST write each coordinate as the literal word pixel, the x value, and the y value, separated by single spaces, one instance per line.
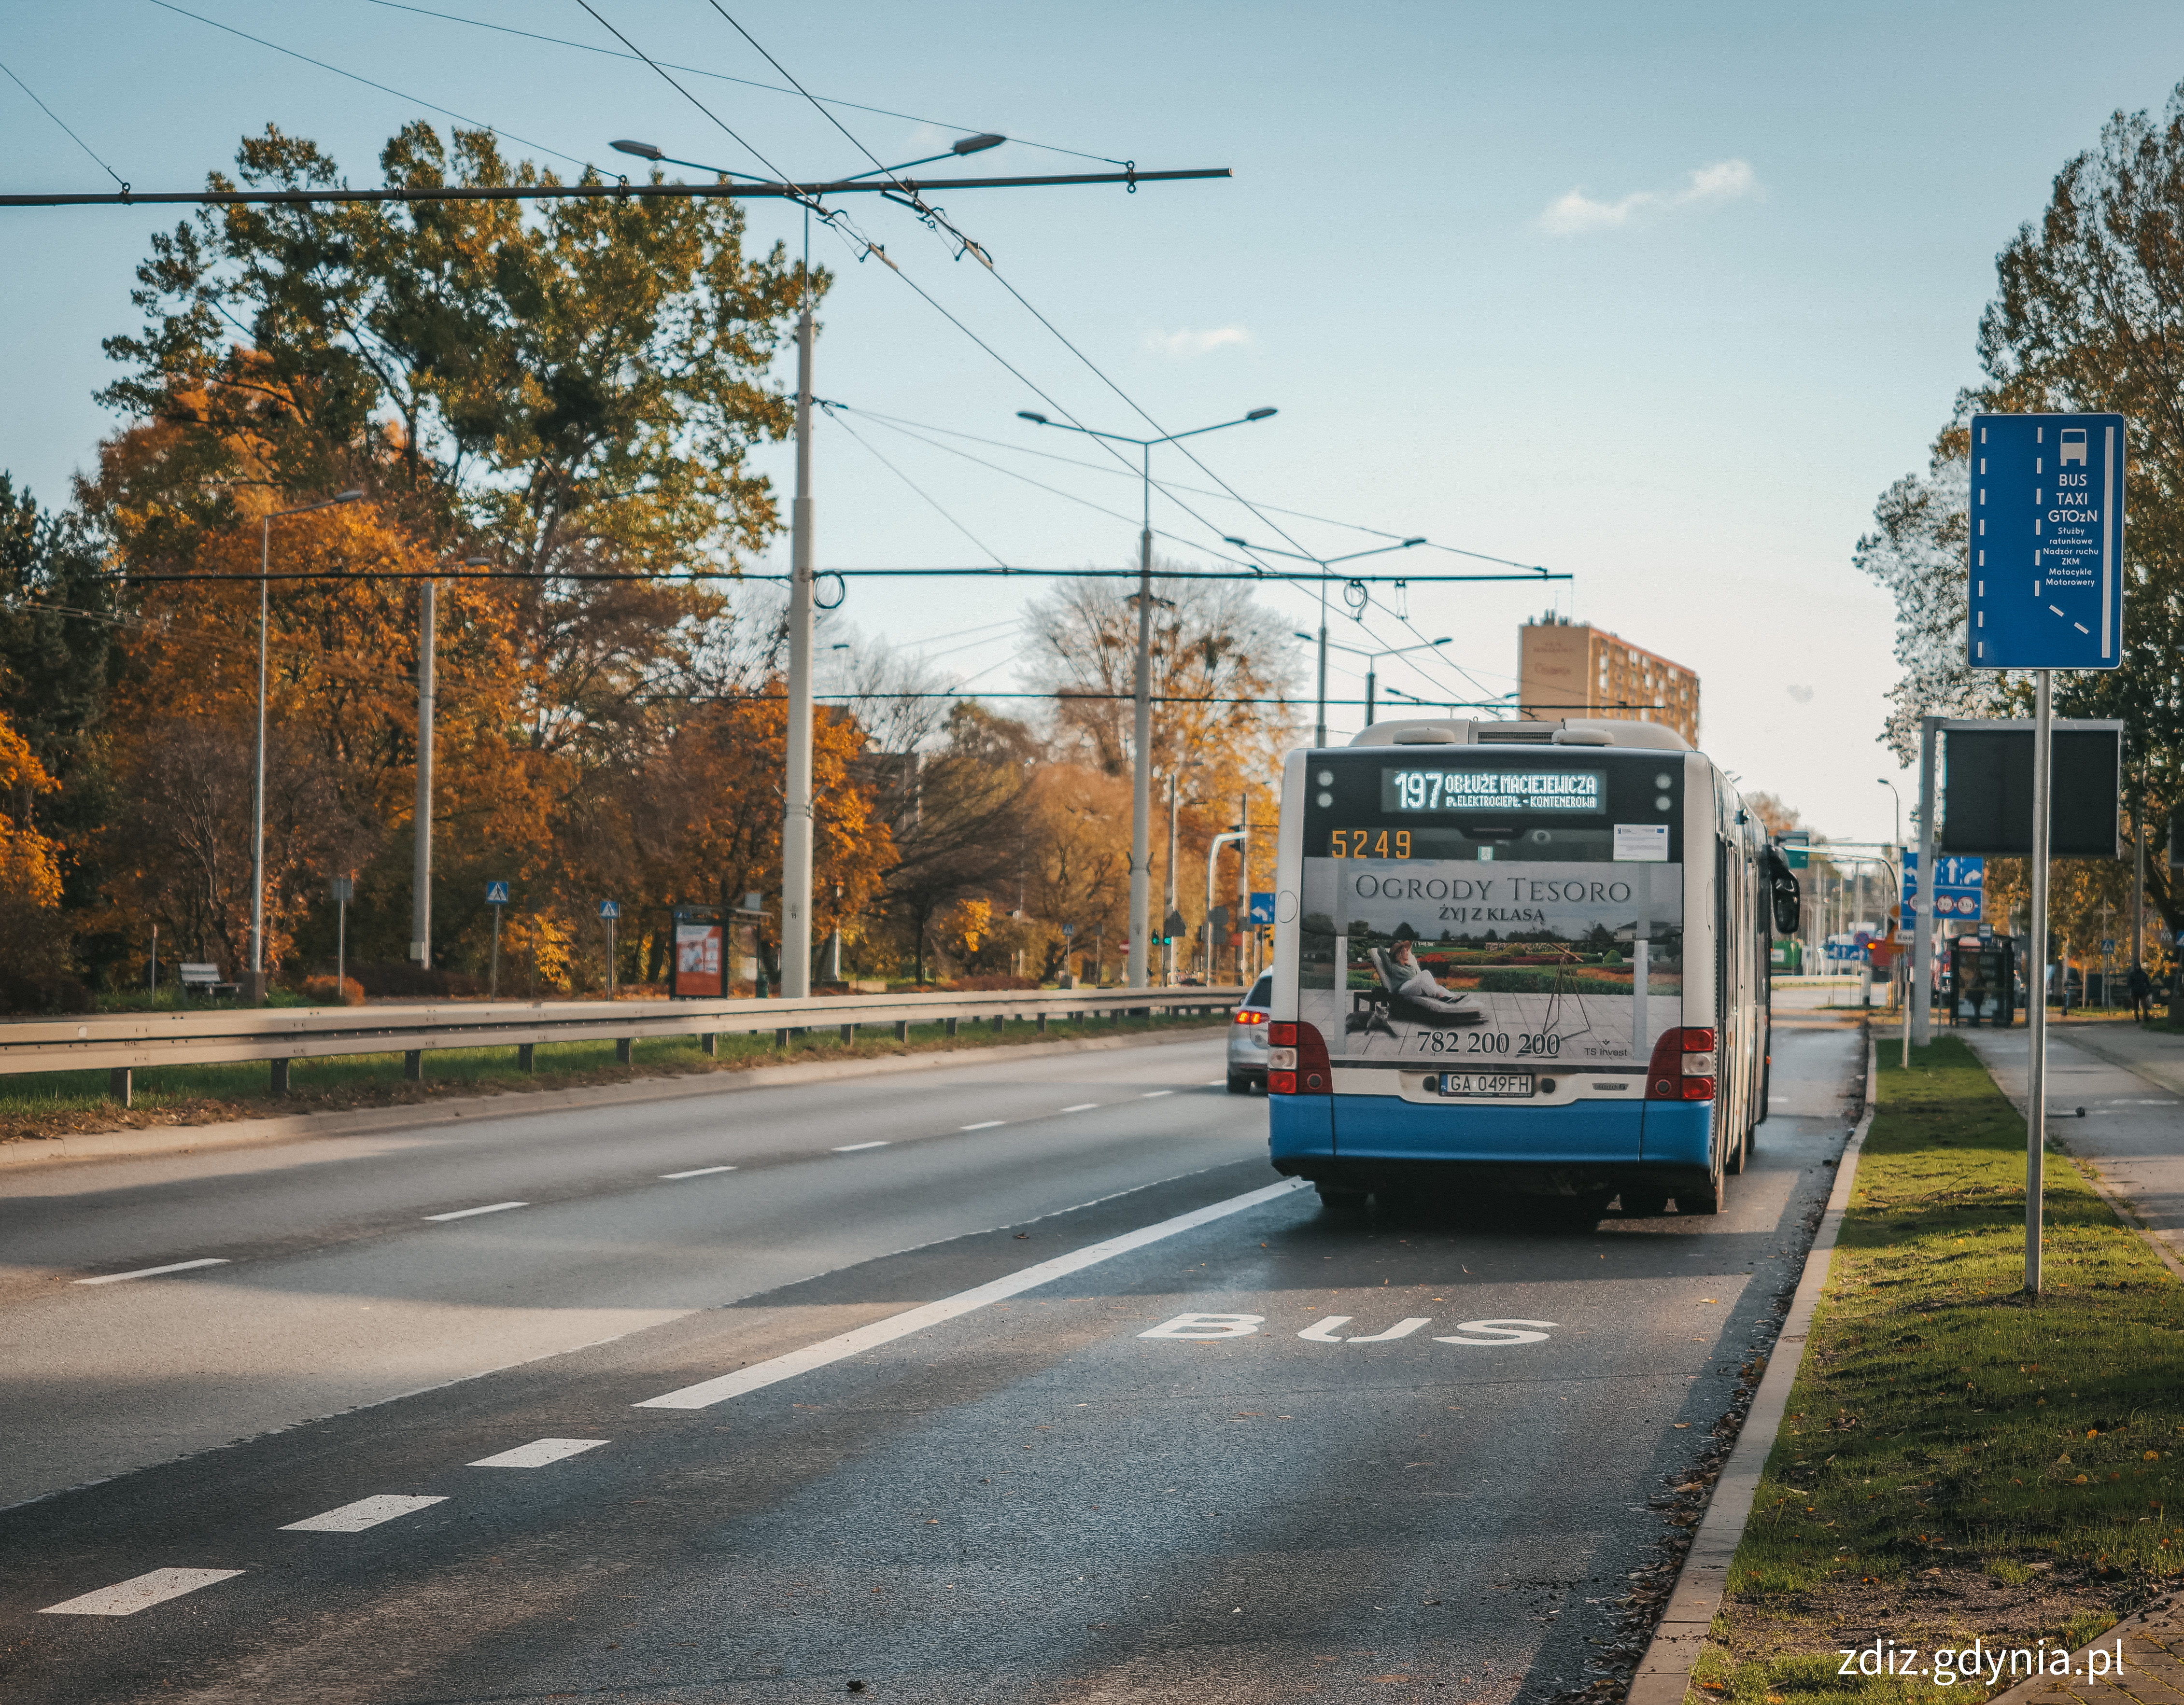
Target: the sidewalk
pixel 2129 1082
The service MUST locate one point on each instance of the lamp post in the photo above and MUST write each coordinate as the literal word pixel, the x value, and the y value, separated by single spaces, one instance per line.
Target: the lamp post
pixel 1371 659
pixel 1324 564
pixel 1141 778
pixel 257 787
pixel 421 881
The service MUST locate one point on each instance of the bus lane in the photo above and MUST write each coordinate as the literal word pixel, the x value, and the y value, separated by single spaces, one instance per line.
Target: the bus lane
pixel 1247 1450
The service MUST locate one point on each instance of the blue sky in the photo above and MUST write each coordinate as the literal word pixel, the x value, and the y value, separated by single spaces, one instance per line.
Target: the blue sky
pixel 1662 296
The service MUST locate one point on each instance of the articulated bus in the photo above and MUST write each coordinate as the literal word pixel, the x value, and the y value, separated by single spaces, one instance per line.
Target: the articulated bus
pixel 1520 956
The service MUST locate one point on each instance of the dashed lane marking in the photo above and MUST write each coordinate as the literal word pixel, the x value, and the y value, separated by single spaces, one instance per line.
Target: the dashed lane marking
pixel 1154 1094
pixel 140 1592
pixel 1081 1106
pixel 852 1148
pixel 150 1273
pixel 983 1125
pixel 365 1512
pixel 470 1213
pixel 698 1172
pixel 708 1392
pixel 539 1453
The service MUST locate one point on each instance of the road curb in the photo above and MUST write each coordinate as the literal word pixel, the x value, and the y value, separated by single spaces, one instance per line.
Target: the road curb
pixel 150 1142
pixel 1663 1676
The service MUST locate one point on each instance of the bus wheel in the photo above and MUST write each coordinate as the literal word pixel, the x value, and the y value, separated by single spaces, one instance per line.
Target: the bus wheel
pixel 1337 1200
pixel 1707 1199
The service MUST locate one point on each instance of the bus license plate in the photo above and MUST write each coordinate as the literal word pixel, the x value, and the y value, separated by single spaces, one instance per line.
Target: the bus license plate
pixel 1486 1083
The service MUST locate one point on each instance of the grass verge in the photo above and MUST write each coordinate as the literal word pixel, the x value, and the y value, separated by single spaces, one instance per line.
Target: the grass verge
pixel 48 1104
pixel 1958 1462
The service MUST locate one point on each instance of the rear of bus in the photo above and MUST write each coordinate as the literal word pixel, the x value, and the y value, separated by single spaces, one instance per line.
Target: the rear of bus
pixel 1481 981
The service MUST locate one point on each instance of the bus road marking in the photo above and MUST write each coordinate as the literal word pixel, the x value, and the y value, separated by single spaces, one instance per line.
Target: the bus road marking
pixel 1207 1328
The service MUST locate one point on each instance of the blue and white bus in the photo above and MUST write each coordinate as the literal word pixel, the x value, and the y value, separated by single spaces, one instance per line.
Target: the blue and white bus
pixel 1524 957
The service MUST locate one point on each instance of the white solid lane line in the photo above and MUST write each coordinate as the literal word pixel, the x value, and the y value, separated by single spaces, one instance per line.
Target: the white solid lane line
pixel 830 1350
pixel 365 1512
pixel 1154 1094
pixel 852 1148
pixel 1081 1106
pixel 983 1125
pixel 466 1213
pixel 539 1453
pixel 151 1272
pixel 140 1592
pixel 698 1172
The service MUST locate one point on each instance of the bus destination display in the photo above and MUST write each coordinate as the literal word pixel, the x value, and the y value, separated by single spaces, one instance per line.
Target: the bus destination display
pixel 1562 791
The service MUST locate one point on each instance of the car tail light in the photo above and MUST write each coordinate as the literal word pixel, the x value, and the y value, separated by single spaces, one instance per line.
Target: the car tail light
pixel 1246 1015
pixel 1685 1064
pixel 1297 1061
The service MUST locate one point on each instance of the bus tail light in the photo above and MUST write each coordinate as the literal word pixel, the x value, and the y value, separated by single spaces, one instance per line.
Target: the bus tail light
pixel 1685 1067
pixel 1297 1061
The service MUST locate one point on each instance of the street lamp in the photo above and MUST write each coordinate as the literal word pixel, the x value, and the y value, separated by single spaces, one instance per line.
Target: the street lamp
pixel 1141 779
pixel 1891 787
pixel 1324 564
pixel 257 789
pixel 1373 658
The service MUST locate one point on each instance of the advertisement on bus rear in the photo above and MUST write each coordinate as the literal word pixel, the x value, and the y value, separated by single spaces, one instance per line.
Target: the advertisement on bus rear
pixel 1413 961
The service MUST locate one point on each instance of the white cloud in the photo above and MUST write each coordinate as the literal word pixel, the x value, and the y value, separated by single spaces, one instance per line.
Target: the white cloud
pixel 1803 695
pixel 1184 343
pixel 1723 180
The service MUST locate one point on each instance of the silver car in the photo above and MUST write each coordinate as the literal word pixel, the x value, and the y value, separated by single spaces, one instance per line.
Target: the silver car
pixel 1247 1040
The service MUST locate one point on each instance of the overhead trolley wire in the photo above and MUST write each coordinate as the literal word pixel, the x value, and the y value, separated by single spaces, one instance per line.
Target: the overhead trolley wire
pixel 385 89
pixel 747 82
pixel 62 123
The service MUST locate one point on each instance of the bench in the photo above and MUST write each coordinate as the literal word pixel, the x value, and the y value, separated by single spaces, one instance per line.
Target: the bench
pixel 206 979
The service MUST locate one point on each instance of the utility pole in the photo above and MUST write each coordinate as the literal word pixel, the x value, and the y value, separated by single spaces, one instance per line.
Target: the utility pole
pixel 1930 883
pixel 796 826
pixel 1141 768
pixel 421 881
pixel 1245 932
pixel 2138 882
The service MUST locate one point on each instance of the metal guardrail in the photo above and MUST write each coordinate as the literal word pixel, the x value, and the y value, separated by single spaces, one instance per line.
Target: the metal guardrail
pixel 127 1042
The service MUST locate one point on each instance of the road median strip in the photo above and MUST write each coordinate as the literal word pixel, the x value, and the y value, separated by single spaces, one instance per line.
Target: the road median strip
pixel 1945 1462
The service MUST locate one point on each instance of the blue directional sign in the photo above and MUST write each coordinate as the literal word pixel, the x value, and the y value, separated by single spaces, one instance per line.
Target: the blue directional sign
pixel 609 908
pixel 2046 544
pixel 1262 911
pixel 1959 886
pixel 496 893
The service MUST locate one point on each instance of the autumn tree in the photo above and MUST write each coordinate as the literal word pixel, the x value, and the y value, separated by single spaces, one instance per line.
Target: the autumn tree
pixel 2088 315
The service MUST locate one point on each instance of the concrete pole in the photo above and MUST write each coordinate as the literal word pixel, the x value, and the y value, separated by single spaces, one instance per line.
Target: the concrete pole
pixel 1167 942
pixel 2138 884
pixel 2036 980
pixel 421 881
pixel 1319 725
pixel 1922 948
pixel 258 786
pixel 1245 932
pixel 1141 770
pixel 796 826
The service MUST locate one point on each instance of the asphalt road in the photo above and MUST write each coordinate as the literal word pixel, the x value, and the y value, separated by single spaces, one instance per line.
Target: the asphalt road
pixel 880 1415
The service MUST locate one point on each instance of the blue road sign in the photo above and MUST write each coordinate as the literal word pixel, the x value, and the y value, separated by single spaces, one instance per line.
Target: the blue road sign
pixel 609 908
pixel 1959 886
pixel 1262 910
pixel 496 893
pixel 2047 545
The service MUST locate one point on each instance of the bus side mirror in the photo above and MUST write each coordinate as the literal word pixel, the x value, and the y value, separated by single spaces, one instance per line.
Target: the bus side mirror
pixel 1782 884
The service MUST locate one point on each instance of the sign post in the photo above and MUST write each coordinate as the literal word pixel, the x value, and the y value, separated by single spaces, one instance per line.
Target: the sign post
pixel 2047 593
pixel 345 891
pixel 496 896
pixel 609 911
